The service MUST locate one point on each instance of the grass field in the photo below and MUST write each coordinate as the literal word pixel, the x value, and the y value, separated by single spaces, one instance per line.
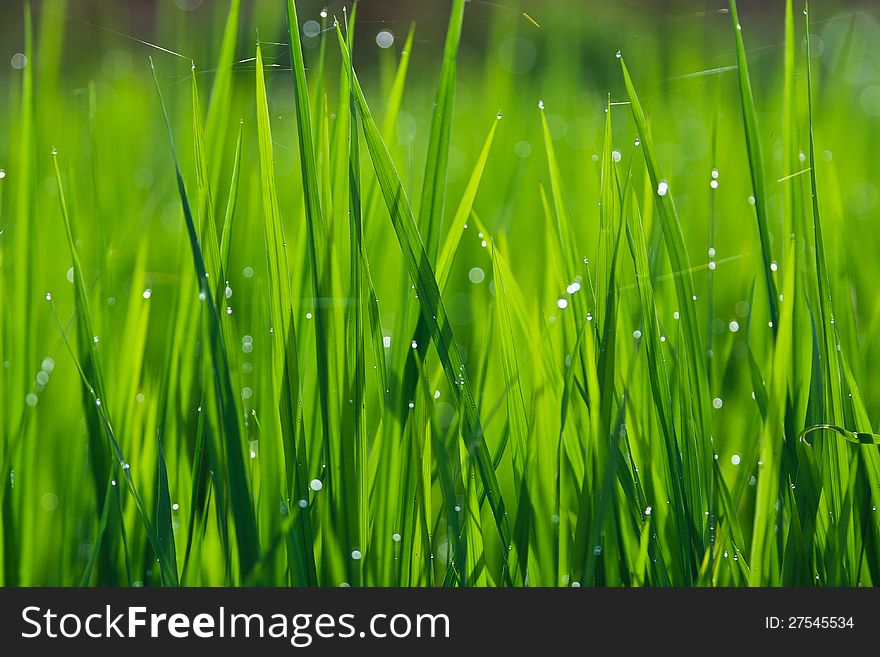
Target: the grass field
pixel 519 294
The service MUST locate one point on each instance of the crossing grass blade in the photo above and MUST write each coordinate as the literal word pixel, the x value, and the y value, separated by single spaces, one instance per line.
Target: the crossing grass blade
pixel 240 497
pixel 432 308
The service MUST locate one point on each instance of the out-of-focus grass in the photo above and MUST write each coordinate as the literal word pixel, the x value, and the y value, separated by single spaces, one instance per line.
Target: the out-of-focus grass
pixel 523 294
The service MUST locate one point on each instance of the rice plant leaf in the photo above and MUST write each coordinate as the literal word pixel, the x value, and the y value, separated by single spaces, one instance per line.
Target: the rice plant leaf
pixel 240 497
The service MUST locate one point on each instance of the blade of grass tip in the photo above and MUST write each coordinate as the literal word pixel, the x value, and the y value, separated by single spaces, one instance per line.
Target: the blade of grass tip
pixel 220 103
pixel 684 288
pixel 432 307
pixel 756 165
pixel 394 100
pixel 242 506
pixel 232 199
pixel 453 237
pixel 433 198
pixel 205 199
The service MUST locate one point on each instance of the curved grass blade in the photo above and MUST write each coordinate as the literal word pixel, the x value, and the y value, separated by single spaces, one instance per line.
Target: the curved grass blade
pixel 432 307
pixel 240 498
pixel 756 165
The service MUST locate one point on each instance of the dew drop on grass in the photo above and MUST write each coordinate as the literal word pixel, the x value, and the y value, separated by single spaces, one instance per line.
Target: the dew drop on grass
pixel 147 293
pixel 717 402
pixel 675 315
pixel 562 304
pixel 175 506
pixel 414 344
pixel 773 266
pixel 712 265
pixel 713 184
pixel 662 188
pixel 575 585
pixel 476 275
pixel 395 537
pixel 308 315
pixel 316 485
pixel 499 116
pixel 386 341
pixel 411 405
pixel 248 272
pixel 2 174
pixel 323 13
pixel 31 400
pixel 302 504
pixel 733 326
pixel 616 155
pixel 648 510
pixel 574 287
pixel 48 365
pixel 385 39
pixel 637 334
pixel 540 104
pixel 356 555
pixel 735 459
pixel 70 275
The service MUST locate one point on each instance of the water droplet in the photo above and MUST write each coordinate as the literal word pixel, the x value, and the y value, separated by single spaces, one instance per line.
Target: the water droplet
pixel 436 394
pixel 618 55
pixel 574 287
pixel 662 188
pixel 125 466
pixel 95 338
pixel 773 266
pixel 31 400
pixel 248 272
pixel 483 243
pixel 148 293
pixel 112 482
pixel 2 174
pixel 386 341
pixel 323 13
pixel 316 485
pixel 499 116
pixel 411 405
pixel 18 61
pixel 711 251
pixel 476 275
pixel 637 142
pixel 648 510
pixel 97 402
pixel 395 537
pixel 414 344
pixel 385 39
pixel 717 402
pixel 540 104
pixel 228 310
pixel 356 555
pixel 302 504
pixel 735 459
pixel 675 315
pixel 175 506
pixel 637 334
pixel 616 155
pixel 713 184
pixel 70 275
pixel 712 265
pixel 562 303
pixel 247 393
pixel 48 365
pixel 751 200
pixel 733 326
